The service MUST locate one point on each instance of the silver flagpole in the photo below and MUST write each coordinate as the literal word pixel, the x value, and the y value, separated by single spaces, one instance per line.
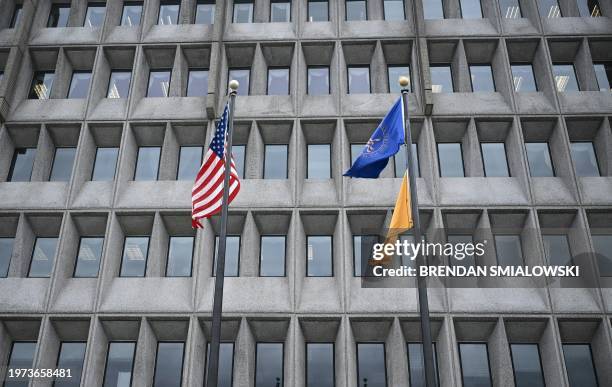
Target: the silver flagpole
pixel 430 380
pixel 215 342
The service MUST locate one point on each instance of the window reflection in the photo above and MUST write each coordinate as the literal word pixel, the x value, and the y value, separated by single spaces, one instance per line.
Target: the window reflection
pixel 197 86
pixel 394 73
pixel 43 256
pixel 602 245
pixel 585 160
pixel 21 356
pixel 319 256
pixel 243 11
pixel 95 15
pixel 469 259
pixel 579 365
pixel 523 78
pixel 232 256
pixel 470 9
pixel 482 78
pixel 319 161
pixel 549 8
pixel 62 164
pixel 205 12
pixel 318 80
pixel 168 13
pixel 510 9
pixel 275 161
pixel 450 157
pixel 475 369
pixel 135 254
pixel 362 252
pixel 6 250
pixel 16 16
pixel 132 12
pixel 394 9
pixel 280 11
pixel 71 356
pixel 272 256
pixel 242 76
pixel 58 17
pixel 494 159
pixel 432 9
pixel 41 85
pixel 538 158
pixel 508 249
pixel 603 72
pixel 180 256
pixel 88 257
pixel 21 165
pixel 105 164
pixel 356 10
pixel 589 8
pixel 565 77
pixel 269 364
pixel 527 365
pixel 400 161
pixel 147 163
pixel 441 79
pixel 190 160
pixel 169 364
pixel 417 364
pixel 557 250
pixel 358 80
pixel 320 365
pixel 278 81
pixel 318 11
pixel 371 370
pixel 79 86
pixel 239 153
pixel 159 83
pixel 119 364
pixel 226 364
pixel 119 84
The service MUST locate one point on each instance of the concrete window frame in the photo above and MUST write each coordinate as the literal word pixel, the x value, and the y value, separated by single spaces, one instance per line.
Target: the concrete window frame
pixel 596 131
pixel 17 329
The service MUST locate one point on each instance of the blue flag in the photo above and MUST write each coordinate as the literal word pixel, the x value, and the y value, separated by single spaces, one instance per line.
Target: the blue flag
pixel 384 143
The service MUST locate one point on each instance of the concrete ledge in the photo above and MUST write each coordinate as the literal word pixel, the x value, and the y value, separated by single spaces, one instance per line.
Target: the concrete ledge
pixel 376 28
pixel 264 106
pixel 160 294
pixel 76 295
pixel 359 105
pixel 154 194
pixel 481 191
pixel 459 27
pixel 65 35
pixel 93 194
pixel 123 34
pixel 551 190
pixel 38 195
pixel 577 25
pixel 260 31
pixel 470 103
pixel 264 193
pixel 498 300
pixel 533 103
pixel 596 190
pixel 586 102
pixel 381 192
pixel 319 295
pixel 248 295
pixel 108 109
pixel 23 295
pixel 178 108
pixel 319 193
pixel 50 110
pixel 179 33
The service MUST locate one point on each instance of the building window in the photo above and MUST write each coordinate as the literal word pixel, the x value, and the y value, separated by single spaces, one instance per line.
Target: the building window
pixel 318 80
pixel 565 77
pixel 579 365
pixel 549 8
pixel 43 256
pixel 88 257
pixel 482 78
pixel 135 255
pixel 602 245
pixel 475 370
pixel 105 164
pixel 205 12
pixel 6 250
pixel 557 250
pixel 239 153
pixel 269 364
pixel 169 364
pixel 538 158
pixel 16 15
pixel 585 159
pixel 280 11
pixel 95 15
pixel 21 165
pixel 180 256
pixel 510 9
pixel 159 83
pixel 467 259
pixel 471 9
pixel 589 8
pixel 320 365
pixel 433 9
pixel 132 12
pixel 197 86
pixel 371 369
pixel 272 256
pixel 450 158
pixel 394 73
pixel 226 364
pixel 119 84
pixel 72 357
pixel 275 162
pixel 119 363
pixel 147 163
pixel 232 256
pixel 318 11
pixel 603 71
pixel 522 76
pixel 441 79
pixel 359 255
pixel 319 261
pixel 79 85
pixel 527 365
pixel 243 77
pixel 356 150
pixel 319 161
pixel 190 159
pixel 278 81
pixel 21 356
pixel 417 364
pixel 58 17
pixel 494 159
pixel 243 11
pixel 508 249
pixel 41 85
pixel 169 12
pixel 358 79
pixel 400 161
pixel 394 9
pixel 356 10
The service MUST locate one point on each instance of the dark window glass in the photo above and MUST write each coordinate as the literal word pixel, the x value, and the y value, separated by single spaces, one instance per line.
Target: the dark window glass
pixel 238 153
pixel 243 11
pixel 417 364
pixel 147 164
pixel 242 76
pixel 318 11
pixel 190 159
pixel 105 164
pixel 205 12
pixel 458 260
pixel 585 160
pixel 79 85
pixel 394 9
pixel 358 79
pixel 135 254
pixel 527 365
pixel 394 73
pixel 319 256
pixel 16 15
pixel 21 165
pixel 579 364
pixel 589 8
pixel 318 80
pixel 356 10
pixel 508 249
pixel 71 356
pixel 319 161
pixel 356 150
pixel 159 83
pixel 1 75
pixel 475 369
pixel 119 364
pixel 275 162
pixel 41 85
pixel 565 77
pixel 43 256
pixel 358 242
pixel 169 13
pixel 95 15
pixel 441 79
pixel 538 158
pixel 557 250
pixel 278 81
pixel 510 9
pixel 371 370
pixel 269 365
pixel 226 364
pixel 22 356
pixel 280 11
pixel 132 12
pixel 88 257
pixel 450 157
pixel 603 71
pixel 432 9
pixel 119 84
pixel 400 161
pixel 58 17
pixel 549 8
pixel 494 159
pixel 522 76
pixel 320 365
pixel 169 364
pixel 232 256
pixel 470 9
pixel 601 243
pixel 482 78
pixel 62 164
pixel 198 83
pixel 180 256
pixel 272 256
pixel 6 250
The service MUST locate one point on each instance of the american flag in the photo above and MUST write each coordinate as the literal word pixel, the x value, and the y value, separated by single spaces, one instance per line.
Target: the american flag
pixel 207 192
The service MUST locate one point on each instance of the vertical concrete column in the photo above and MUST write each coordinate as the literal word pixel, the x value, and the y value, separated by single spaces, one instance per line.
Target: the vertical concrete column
pixel 214 79
pixel 500 360
pixel 244 356
pixel 44 156
pixel 249 248
pixel 460 70
pixel 396 356
pixel 169 158
pixel 472 158
pixel 158 250
pixel 255 152
pixel 585 72
pixel 22 249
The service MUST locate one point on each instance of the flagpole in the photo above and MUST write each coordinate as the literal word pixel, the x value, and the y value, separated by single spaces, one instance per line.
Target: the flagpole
pixel 215 343
pixel 422 281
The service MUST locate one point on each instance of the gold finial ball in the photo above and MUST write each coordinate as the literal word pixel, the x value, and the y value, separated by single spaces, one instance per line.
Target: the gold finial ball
pixel 404 81
pixel 234 85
